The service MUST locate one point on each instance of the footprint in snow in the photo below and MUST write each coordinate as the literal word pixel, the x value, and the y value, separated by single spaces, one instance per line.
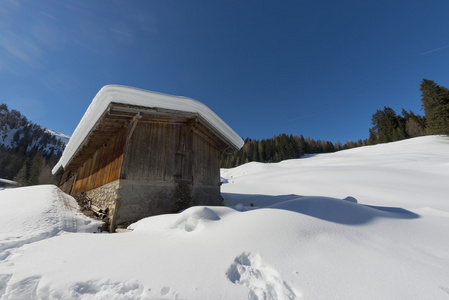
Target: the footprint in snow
pixel 263 281
pixel 165 290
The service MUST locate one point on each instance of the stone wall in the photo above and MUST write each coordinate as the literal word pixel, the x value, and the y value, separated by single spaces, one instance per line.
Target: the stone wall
pixel 140 199
pixel 104 197
pixel 206 195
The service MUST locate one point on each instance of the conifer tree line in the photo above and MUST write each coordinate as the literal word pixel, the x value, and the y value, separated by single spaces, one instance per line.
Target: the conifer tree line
pixel 282 147
pixel 27 168
pixel 27 151
pixel 388 126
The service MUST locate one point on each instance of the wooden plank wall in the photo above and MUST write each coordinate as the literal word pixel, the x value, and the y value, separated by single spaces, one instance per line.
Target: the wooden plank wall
pixel 205 162
pixel 103 167
pixel 171 152
pixel 152 151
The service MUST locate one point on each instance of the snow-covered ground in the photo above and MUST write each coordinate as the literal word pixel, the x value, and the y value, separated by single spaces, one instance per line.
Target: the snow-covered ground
pixel 366 223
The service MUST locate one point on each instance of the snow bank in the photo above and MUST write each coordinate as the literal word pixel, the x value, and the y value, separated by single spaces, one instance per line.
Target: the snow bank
pixel 35 213
pixel 190 220
pixel 134 96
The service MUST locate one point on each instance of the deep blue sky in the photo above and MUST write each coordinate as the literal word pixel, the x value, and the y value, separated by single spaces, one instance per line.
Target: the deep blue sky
pixel 316 68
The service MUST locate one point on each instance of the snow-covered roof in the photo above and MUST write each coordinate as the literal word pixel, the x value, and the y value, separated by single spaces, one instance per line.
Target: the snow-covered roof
pixel 138 97
pixel 6 181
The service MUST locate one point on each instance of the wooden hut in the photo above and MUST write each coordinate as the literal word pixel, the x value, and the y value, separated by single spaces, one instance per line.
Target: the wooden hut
pixel 137 153
pixel 5 183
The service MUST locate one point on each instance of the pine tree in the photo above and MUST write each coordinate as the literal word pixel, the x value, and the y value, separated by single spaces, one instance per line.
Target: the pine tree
pixel 435 101
pixel 372 140
pixel 387 126
pixel 21 176
pixel 415 125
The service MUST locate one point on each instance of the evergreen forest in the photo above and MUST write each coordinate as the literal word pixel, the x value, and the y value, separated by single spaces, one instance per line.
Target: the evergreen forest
pixel 27 151
pixel 387 126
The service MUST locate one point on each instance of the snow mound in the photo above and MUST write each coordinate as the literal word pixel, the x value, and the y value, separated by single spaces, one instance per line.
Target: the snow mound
pixel 240 207
pixel 31 214
pixel 341 211
pixel 351 199
pixel 194 216
pixel 189 220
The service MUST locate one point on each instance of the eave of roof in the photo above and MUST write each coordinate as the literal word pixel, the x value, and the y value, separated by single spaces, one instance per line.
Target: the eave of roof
pixel 6 181
pixel 134 96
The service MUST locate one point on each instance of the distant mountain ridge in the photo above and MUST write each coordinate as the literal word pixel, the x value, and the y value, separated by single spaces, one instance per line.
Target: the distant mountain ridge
pixel 27 150
pixel 17 131
pixel 59 135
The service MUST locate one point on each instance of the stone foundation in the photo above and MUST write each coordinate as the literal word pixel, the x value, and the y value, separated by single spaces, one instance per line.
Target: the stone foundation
pixel 104 197
pixel 141 199
pixel 206 195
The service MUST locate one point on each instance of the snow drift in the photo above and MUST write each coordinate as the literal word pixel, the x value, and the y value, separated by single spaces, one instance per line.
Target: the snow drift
pixel 31 214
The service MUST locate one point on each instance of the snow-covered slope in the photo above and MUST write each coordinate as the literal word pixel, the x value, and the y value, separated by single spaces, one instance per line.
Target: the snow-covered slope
pixel 367 223
pixel 414 171
pixel 17 131
pixel 59 135
pixel 35 213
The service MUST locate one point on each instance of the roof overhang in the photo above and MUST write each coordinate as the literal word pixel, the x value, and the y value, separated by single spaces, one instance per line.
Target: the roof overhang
pixel 113 108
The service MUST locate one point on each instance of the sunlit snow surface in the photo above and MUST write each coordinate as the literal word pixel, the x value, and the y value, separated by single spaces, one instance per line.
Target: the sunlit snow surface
pixel 366 223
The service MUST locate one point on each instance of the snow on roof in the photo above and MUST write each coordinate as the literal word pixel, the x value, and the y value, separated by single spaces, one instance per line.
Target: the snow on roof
pixel 6 181
pixel 134 96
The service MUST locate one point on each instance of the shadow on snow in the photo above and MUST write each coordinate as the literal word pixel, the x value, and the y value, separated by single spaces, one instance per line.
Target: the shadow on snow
pixel 343 211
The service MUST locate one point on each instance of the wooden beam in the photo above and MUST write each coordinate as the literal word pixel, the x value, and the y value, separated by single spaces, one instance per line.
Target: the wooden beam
pixel 112 224
pixel 131 126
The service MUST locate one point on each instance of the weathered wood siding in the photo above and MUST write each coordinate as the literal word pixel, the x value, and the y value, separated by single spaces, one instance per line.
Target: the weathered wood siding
pixel 205 162
pixel 103 166
pixel 158 152
pixel 66 181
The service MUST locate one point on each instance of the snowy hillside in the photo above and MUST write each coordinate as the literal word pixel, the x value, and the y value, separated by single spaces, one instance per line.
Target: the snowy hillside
pixel 64 138
pixel 366 223
pixel 17 131
pixel 384 174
